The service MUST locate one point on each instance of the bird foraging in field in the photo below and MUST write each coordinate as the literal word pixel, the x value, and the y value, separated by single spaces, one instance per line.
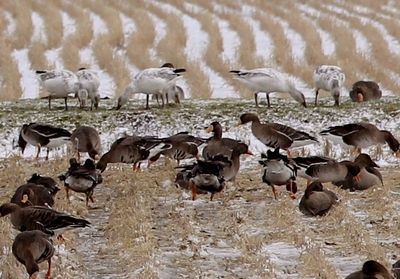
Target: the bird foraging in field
pixel 330 78
pixel 279 170
pixel 371 269
pixel 86 139
pixel 31 248
pixel 42 135
pixel 268 80
pixel 363 91
pixel 317 200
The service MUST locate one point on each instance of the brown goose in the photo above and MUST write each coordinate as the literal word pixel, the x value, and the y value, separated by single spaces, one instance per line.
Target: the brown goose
pixel 86 139
pixel 371 269
pixel 130 150
pixel 45 181
pixel 40 218
pixel 32 194
pixel 365 91
pixel 42 135
pixel 81 178
pixel 396 269
pixel 276 135
pixel 217 144
pixel 362 135
pixel 279 170
pixel 368 176
pixel 317 200
pixel 334 172
pixel 304 162
pixel 31 248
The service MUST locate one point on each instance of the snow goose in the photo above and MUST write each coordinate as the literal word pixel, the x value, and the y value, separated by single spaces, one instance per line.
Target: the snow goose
pixel 368 176
pixel 81 178
pixel 40 218
pixel 317 200
pixel 42 135
pixel 268 80
pixel 90 82
pixel 86 139
pixel 59 84
pixel 361 135
pixel 371 269
pixel 279 170
pixel 151 81
pixel 276 135
pixel 365 91
pixel 31 248
pixel 330 78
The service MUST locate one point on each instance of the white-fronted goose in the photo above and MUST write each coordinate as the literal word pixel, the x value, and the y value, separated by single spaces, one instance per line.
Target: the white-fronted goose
pixel 40 218
pixel 217 144
pixel 362 135
pixel 32 194
pixel 59 84
pixel 151 81
pixel 90 82
pixel 86 139
pixel 42 135
pixel 371 269
pixel 268 80
pixel 31 248
pixel 396 269
pixel 304 162
pixel 317 200
pixel 45 181
pixel 279 170
pixel 81 178
pixel 334 172
pixel 363 91
pixel 368 176
pixel 330 78
pixel 276 135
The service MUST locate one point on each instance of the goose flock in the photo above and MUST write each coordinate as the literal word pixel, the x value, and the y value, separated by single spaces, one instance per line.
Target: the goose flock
pixel 160 83
pixel 203 165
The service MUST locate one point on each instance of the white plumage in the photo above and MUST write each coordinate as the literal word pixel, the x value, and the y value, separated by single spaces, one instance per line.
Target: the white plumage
pixel 89 81
pixel 59 84
pixel 151 81
pixel 268 80
pixel 330 78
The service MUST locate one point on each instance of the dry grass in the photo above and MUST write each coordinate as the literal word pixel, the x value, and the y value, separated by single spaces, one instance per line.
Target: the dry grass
pixel 36 55
pixel 10 81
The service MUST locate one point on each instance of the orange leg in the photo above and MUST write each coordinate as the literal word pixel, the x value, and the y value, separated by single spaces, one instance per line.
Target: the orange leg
pixel 274 191
pixel 193 187
pixel 67 193
pixel 48 274
pixel 212 196
pixel 292 195
pixel 38 151
pixel 47 154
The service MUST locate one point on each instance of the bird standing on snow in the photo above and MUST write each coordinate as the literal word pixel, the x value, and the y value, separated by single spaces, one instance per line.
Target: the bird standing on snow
pixel 268 80
pixel 151 81
pixel 89 81
pixel 59 84
pixel 329 78
pixel 86 139
pixel 42 135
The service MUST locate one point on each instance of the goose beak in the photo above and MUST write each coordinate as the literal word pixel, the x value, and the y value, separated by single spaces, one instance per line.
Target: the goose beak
pixel 249 152
pixel 209 129
pixel 25 198
pixel 397 153
pixel 238 123
pixel 96 157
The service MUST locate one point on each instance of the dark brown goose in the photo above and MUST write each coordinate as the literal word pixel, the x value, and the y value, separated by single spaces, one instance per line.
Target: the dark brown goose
pixel 361 135
pixel 369 176
pixel 304 162
pixel 317 200
pixel 45 181
pixel 363 91
pixel 334 172
pixel 42 135
pixel 276 135
pixel 40 218
pixel 217 144
pixel 31 248
pixel 32 194
pixel 86 139
pixel 279 170
pixel 371 270
pixel 81 178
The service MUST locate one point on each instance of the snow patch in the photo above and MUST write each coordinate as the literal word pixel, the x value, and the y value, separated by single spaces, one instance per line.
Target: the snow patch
pixel 39 31
pixel 99 25
pixel 11 23
pixel 230 41
pixel 29 82
pixel 69 24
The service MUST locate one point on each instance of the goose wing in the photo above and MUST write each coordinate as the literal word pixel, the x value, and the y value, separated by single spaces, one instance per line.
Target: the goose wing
pixel 343 130
pixel 49 131
pixel 292 133
pixel 273 137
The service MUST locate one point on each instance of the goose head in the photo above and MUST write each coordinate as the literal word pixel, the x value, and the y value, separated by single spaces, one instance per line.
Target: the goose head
pixel 248 117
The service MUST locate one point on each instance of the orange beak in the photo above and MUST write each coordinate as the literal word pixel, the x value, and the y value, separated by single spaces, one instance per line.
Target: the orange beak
pixel 210 129
pixel 249 152
pixel 238 124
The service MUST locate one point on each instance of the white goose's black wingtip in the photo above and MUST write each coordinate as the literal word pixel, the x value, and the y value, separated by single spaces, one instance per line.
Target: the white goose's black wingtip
pixel 40 72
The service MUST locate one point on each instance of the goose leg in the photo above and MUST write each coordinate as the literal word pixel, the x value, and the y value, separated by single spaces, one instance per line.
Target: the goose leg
pixel 256 98
pixel 291 194
pixel 268 102
pixel 274 191
pixel 212 196
pixel 38 151
pixel 166 98
pixel 48 274
pixel 162 100
pixel 47 153
pixel 147 101
pixel 67 194
pixel 49 102
pixel 66 106
pixel 316 97
pixel 193 187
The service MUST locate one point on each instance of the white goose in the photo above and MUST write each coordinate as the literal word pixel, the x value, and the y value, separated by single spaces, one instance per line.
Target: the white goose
pixel 151 81
pixel 90 82
pixel 268 80
pixel 330 78
pixel 59 84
